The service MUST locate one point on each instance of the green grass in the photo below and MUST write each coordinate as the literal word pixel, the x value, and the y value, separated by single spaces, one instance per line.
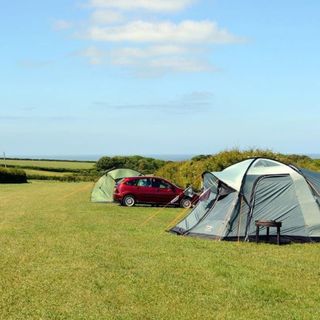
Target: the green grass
pixel 62 257
pixel 54 170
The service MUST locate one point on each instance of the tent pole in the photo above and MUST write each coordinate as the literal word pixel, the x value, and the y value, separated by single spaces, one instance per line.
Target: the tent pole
pixel 160 210
pixel 239 221
pixel 177 218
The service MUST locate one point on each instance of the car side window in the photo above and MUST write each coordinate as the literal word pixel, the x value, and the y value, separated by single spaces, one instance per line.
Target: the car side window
pixel 164 185
pixel 144 182
pixel 155 183
pixel 131 182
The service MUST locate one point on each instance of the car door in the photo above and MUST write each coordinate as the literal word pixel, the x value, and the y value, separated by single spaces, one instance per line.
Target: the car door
pixel 144 190
pixel 165 192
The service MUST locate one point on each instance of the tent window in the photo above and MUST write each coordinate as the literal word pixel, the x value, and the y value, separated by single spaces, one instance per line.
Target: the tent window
pixel 266 163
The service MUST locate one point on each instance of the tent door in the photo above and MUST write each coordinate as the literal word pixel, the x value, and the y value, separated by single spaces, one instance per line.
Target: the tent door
pixel 272 197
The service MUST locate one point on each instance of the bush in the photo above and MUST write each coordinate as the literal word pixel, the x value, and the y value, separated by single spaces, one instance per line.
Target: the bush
pixel 141 164
pixel 12 176
pixel 189 172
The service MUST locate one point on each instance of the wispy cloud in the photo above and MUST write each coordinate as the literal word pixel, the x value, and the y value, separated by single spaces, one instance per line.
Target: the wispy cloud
pixel 194 102
pixel 151 5
pixel 37 118
pixel 94 55
pixel 130 55
pixel 101 17
pixel 163 66
pixel 27 109
pixel 164 32
pixel 35 64
pixel 62 25
pixel 151 61
pixel 147 52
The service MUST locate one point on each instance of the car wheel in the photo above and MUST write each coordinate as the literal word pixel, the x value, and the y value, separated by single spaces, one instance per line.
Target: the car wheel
pixel 129 201
pixel 185 203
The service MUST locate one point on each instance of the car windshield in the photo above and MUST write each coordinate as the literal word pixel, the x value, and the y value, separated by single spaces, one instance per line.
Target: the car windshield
pixel 119 181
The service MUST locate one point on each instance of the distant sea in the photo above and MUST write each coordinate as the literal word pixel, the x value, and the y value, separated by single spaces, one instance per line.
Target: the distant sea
pixel 314 155
pixel 95 157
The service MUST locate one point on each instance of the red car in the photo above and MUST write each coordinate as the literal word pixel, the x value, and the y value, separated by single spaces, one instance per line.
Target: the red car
pixel 151 190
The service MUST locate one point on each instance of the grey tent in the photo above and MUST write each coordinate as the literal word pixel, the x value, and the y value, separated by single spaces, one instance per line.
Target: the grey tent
pixel 256 189
pixel 103 189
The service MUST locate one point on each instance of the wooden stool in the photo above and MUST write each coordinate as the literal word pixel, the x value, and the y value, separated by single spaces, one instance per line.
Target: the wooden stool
pixel 268 224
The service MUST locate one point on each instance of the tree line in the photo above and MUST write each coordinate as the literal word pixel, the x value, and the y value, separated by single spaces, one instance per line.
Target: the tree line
pixel 189 172
pixel 141 164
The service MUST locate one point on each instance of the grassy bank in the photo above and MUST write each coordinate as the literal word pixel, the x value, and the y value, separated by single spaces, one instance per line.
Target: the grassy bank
pixel 63 257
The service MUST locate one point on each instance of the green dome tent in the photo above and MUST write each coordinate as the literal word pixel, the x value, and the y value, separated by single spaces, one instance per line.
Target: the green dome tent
pixel 103 189
pixel 256 189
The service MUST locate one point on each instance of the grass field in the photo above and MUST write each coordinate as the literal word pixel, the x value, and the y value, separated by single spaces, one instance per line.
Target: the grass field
pixel 48 164
pixel 46 173
pixel 51 170
pixel 62 257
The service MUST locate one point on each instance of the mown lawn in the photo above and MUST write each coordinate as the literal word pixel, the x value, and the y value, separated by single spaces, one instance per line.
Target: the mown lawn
pixel 62 257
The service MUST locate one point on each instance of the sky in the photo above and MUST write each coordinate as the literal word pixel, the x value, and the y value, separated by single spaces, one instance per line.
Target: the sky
pixel 159 76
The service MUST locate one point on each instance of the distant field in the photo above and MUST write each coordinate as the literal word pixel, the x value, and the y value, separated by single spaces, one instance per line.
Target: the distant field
pixel 56 170
pixel 46 173
pixel 63 257
pixel 49 164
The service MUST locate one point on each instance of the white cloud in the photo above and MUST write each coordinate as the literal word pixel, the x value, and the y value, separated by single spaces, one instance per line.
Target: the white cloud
pixel 132 55
pixel 180 65
pixel 148 47
pixel 106 17
pixel 94 55
pixel 147 52
pixel 151 5
pixel 62 25
pixel 150 61
pixel 166 32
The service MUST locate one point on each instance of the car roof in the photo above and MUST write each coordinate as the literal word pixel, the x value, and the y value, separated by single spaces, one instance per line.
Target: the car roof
pixel 155 177
pixel 144 177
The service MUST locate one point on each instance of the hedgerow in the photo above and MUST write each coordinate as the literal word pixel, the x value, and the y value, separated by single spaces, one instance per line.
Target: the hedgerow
pixel 138 163
pixel 46 168
pixel 66 178
pixel 12 176
pixel 189 172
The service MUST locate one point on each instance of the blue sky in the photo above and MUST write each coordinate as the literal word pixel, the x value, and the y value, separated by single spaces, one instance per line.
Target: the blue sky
pixel 159 76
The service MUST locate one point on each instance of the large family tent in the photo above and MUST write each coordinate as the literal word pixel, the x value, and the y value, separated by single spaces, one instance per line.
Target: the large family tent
pixel 256 189
pixel 103 189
